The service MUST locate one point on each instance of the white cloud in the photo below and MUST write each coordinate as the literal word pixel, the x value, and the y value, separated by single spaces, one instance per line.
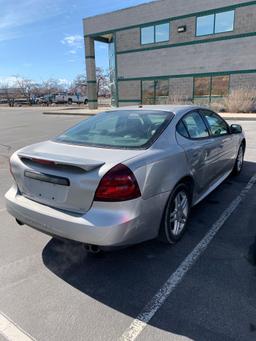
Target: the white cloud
pixel 73 43
pixel 16 14
pixel 64 82
pixel 73 40
pixel 10 81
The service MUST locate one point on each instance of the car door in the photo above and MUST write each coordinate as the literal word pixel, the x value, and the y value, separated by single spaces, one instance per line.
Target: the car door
pixel 223 145
pixel 194 137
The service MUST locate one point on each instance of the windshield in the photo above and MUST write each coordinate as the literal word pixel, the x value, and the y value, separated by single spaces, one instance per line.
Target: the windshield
pixel 119 129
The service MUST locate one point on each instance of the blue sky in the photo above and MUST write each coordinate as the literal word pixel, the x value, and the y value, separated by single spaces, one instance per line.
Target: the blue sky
pixel 42 39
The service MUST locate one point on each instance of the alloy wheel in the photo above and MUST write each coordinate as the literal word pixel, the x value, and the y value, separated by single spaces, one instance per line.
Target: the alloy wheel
pixel 240 159
pixel 179 213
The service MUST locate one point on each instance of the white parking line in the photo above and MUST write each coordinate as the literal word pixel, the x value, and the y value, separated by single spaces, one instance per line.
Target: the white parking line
pixel 2 210
pixel 11 331
pixel 138 325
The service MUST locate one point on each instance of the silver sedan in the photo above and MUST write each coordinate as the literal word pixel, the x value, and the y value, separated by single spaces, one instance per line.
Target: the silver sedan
pixel 124 176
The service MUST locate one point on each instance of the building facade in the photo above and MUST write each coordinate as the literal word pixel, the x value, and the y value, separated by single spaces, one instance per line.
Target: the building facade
pixel 168 50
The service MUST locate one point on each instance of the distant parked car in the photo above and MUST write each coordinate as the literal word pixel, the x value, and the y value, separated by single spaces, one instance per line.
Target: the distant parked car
pixel 46 99
pixel 124 176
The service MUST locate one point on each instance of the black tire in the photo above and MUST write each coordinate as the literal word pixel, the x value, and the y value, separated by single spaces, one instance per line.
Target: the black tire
pixel 86 101
pixel 167 228
pixel 239 160
pixel 70 101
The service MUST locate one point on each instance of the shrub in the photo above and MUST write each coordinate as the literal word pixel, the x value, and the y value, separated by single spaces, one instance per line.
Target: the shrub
pixel 218 106
pixel 179 99
pixel 241 100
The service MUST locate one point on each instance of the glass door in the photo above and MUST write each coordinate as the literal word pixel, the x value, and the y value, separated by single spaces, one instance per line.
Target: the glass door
pixel 112 72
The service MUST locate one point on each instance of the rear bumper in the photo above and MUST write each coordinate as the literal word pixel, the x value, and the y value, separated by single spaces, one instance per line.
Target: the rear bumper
pixel 105 224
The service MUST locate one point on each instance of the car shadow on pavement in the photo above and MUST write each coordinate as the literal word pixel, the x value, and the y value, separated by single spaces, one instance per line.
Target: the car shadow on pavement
pixel 127 279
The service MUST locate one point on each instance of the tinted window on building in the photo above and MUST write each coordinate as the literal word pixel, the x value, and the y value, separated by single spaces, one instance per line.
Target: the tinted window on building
pixel 162 32
pixel 202 87
pixel 162 91
pixel 155 34
pixel 210 88
pixel 155 91
pixel 220 86
pixel 215 23
pixel 224 22
pixel 148 92
pixel 205 25
pixel 147 35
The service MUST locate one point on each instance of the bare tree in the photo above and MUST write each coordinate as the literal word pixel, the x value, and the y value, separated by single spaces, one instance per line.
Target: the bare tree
pixel 8 94
pixel 103 83
pixel 25 88
pixel 79 85
pixel 51 86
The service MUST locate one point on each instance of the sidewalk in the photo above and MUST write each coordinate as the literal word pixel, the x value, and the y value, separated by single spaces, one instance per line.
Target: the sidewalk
pixel 88 112
pixel 78 112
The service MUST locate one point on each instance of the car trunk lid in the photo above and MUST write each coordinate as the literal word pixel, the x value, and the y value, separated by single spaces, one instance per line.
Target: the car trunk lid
pixel 64 176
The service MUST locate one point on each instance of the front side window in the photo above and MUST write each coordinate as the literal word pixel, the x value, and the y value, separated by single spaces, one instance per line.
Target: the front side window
pixel 195 125
pixel 216 124
pixel 215 23
pixel 155 34
pixel 118 129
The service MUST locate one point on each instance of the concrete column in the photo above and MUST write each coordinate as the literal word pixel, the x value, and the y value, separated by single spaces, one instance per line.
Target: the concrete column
pixel 91 73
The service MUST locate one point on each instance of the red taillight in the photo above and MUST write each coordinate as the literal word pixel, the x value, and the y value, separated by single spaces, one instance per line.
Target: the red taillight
pixel 43 162
pixel 118 184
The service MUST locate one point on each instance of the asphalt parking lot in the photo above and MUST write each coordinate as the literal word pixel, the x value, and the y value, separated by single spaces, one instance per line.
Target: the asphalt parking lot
pixel 52 290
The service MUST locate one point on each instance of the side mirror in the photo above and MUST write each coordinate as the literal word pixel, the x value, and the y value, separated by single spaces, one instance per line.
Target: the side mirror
pixel 235 129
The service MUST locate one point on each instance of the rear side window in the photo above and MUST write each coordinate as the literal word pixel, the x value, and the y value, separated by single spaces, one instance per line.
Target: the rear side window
pixel 181 129
pixel 119 129
pixel 195 125
pixel 216 124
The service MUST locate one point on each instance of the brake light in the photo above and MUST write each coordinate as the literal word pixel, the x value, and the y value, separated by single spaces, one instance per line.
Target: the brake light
pixel 43 162
pixel 118 184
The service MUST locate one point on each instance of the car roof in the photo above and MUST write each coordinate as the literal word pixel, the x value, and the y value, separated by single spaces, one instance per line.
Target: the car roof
pixel 175 109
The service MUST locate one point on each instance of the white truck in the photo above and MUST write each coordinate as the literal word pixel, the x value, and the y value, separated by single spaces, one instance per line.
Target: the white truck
pixel 64 97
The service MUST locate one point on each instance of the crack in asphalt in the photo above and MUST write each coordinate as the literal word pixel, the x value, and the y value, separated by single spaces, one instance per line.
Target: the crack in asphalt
pixel 7 146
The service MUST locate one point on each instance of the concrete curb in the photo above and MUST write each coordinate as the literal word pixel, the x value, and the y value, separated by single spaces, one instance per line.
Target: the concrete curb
pixel 239 117
pixel 67 113
pixel 233 117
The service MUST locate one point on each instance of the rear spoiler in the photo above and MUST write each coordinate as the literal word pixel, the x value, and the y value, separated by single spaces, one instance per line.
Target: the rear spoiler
pixel 50 159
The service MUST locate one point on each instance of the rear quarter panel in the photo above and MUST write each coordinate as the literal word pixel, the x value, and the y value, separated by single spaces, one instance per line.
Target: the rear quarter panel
pixel 161 167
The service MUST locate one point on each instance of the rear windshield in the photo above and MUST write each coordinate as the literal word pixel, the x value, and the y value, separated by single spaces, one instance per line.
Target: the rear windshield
pixel 118 129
